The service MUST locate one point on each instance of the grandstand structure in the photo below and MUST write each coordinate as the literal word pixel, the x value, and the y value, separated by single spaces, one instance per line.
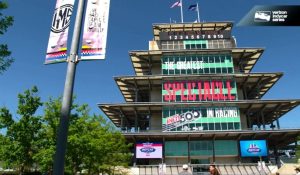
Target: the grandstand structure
pixel 195 93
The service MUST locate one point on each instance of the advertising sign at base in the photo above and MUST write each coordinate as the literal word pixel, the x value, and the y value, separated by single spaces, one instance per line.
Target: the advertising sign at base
pixel 253 148
pixel 148 150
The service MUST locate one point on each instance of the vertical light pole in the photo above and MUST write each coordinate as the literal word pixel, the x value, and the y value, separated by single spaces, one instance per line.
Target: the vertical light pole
pixel 62 136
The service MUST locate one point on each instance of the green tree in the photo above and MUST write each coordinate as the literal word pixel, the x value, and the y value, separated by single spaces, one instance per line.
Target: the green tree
pixel 47 141
pixel 92 141
pixel 22 132
pixel 5 22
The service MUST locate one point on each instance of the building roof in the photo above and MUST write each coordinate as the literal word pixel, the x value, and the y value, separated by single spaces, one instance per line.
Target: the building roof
pixel 142 61
pixel 169 27
pixel 271 109
pixel 277 138
pixel 255 84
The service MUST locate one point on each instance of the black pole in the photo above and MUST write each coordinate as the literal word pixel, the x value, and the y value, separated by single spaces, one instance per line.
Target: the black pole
pixel 62 135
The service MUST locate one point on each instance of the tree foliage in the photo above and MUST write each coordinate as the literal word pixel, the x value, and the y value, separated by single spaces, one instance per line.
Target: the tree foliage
pixel 29 140
pixel 92 142
pixel 19 141
pixel 5 22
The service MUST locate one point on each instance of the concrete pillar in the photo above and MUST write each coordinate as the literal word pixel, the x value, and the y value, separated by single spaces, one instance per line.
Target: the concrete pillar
pixel 122 122
pixel 277 123
pixel 263 120
pixel 276 157
pixel 214 154
pixel 189 155
pixel 136 123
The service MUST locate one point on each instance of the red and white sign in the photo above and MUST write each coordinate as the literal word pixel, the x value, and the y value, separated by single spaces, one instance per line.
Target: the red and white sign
pixel 148 150
pixel 202 90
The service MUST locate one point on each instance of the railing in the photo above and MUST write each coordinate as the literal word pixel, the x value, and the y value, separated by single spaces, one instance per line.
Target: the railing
pixel 203 169
pixel 138 130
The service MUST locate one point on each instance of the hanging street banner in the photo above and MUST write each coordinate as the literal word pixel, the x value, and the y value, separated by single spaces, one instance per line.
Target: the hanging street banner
pixel 95 30
pixel 272 15
pixel 200 90
pixel 149 150
pixel 57 45
pixel 201 118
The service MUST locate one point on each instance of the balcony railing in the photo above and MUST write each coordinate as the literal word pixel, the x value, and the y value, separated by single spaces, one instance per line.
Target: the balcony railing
pixel 138 130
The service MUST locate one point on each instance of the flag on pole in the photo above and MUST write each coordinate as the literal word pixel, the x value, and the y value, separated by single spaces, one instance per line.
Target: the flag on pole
pixel 178 4
pixel 193 7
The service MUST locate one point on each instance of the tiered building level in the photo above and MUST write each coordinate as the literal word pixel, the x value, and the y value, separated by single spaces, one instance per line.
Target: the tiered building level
pixel 194 92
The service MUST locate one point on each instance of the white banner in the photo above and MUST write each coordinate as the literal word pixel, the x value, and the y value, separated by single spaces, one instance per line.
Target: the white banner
pixel 95 30
pixel 57 45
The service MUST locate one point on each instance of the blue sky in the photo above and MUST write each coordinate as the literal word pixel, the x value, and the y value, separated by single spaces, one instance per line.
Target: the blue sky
pixel 130 28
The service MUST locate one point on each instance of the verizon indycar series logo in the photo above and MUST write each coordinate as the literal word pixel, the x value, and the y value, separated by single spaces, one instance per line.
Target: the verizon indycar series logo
pixel 262 16
pixel 147 150
pixel 254 149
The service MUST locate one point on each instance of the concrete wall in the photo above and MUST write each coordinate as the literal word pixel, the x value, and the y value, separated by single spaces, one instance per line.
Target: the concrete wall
pixel 226 160
pixel 156 69
pixel 155 95
pixel 243 121
pixel 174 161
pixel 240 94
pixel 156 122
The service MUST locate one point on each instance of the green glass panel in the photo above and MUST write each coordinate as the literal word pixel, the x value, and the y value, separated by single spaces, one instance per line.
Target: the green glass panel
pixel 226 147
pixel 176 148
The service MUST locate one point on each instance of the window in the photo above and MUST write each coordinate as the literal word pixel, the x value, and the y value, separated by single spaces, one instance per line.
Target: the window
pixel 176 148
pixel 226 147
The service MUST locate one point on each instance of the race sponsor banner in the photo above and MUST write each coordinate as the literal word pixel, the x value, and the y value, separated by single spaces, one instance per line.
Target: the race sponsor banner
pixel 57 45
pixel 272 15
pixel 253 148
pixel 95 30
pixel 200 90
pixel 201 118
pixel 197 64
pixel 148 150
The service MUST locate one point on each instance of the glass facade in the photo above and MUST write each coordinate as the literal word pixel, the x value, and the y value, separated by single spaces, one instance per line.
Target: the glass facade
pixel 196 44
pixel 176 148
pixel 197 64
pixel 205 148
pixel 201 148
pixel 226 147
pixel 195 119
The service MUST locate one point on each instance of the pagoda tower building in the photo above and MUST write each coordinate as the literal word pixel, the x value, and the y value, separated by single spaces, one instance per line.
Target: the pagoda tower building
pixel 194 93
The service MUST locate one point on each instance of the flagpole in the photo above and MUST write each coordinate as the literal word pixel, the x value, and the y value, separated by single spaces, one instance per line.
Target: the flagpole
pixel 198 12
pixel 181 11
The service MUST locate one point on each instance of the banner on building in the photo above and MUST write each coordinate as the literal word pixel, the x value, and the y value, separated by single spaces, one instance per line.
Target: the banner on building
pixel 148 150
pixel 201 118
pixel 95 30
pixel 200 90
pixel 197 64
pixel 253 148
pixel 57 45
